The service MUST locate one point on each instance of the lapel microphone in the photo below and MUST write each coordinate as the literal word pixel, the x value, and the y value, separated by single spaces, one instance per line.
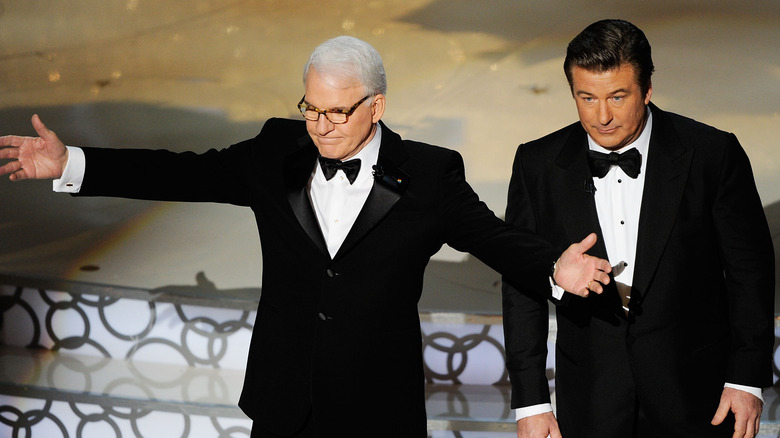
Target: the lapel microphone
pixel 397 183
pixel 590 187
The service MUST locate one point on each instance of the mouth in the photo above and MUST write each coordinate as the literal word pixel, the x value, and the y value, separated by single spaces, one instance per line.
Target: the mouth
pixel 328 141
pixel 609 131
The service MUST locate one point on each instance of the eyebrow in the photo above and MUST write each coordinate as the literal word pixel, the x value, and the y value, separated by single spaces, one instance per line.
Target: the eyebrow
pixel 611 93
pixel 343 108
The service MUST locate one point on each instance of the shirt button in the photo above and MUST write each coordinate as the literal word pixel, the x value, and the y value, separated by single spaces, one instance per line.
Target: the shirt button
pixel 620 181
pixel 622 222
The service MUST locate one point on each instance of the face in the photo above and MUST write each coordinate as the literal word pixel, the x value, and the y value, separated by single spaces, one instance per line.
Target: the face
pixel 611 105
pixel 342 141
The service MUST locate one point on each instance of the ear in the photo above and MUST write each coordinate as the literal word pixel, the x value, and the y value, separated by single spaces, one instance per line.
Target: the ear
pixel 378 108
pixel 649 94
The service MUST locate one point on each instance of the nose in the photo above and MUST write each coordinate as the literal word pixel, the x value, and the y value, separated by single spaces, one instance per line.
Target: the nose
pixel 605 113
pixel 323 125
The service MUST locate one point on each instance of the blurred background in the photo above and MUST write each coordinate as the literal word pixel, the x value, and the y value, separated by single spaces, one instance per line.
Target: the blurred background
pixel 476 76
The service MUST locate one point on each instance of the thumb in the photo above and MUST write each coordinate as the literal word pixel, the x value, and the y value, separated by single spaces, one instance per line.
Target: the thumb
pixel 587 243
pixel 720 414
pixel 41 129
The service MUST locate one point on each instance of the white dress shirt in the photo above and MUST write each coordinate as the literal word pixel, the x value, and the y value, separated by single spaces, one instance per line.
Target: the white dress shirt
pixel 336 202
pixel 618 200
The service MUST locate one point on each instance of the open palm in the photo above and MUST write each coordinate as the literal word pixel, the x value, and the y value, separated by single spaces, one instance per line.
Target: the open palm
pixel 42 157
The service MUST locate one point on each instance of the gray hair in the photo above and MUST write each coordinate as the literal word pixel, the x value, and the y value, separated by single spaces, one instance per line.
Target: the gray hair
pixel 349 59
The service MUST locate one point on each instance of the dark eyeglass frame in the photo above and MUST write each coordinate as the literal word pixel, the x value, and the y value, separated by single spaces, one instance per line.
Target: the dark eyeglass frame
pixel 304 106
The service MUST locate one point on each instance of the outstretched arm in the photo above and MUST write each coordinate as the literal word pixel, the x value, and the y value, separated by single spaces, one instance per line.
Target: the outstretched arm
pixel 579 273
pixel 42 157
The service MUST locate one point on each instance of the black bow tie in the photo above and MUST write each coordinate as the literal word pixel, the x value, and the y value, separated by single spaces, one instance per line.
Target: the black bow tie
pixel 330 166
pixel 630 161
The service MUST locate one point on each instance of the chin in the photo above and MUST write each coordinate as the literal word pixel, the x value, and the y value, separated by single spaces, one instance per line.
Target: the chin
pixel 331 154
pixel 330 151
pixel 607 143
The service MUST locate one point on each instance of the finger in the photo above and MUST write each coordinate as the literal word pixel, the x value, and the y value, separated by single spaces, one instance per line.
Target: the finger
pixel 720 414
pixel 7 168
pixel 756 425
pixel 11 140
pixel 740 430
pixel 14 171
pixel 604 266
pixel 8 153
pixel 744 426
pixel 555 431
pixel 602 278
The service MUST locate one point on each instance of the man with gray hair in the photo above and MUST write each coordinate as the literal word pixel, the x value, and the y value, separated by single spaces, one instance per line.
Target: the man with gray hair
pixel 348 217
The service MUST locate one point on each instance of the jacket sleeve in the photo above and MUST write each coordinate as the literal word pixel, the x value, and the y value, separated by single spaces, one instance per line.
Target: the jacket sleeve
pixel 470 226
pixel 525 312
pixel 748 258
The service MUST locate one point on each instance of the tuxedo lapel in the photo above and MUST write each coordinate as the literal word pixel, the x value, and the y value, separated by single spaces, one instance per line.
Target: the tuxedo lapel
pixel 389 184
pixel 668 165
pixel 298 168
pixel 580 217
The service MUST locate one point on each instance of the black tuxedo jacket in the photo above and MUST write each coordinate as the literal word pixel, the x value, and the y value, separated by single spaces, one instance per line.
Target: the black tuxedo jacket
pixel 339 337
pixel 702 295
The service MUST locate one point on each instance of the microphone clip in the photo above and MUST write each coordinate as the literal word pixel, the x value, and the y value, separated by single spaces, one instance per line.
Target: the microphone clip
pixel 590 187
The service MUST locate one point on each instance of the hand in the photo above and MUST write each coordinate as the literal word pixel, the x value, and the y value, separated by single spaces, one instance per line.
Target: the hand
pixel 538 426
pixel 746 408
pixel 579 273
pixel 41 157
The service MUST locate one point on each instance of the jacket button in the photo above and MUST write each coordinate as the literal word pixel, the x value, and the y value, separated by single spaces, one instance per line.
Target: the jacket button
pixel 322 316
pixel 330 273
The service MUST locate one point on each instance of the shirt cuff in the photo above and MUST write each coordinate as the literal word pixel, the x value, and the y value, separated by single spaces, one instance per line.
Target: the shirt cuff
pixel 557 291
pixel 749 389
pixel 532 410
pixel 73 174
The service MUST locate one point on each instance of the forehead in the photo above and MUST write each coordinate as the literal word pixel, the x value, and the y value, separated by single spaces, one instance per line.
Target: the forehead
pixel 588 81
pixel 331 92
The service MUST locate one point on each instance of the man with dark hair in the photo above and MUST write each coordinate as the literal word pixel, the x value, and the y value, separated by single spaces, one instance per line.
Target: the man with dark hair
pixel 349 215
pixel 680 343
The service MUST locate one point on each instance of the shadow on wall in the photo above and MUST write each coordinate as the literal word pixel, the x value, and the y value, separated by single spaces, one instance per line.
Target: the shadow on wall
pixel 114 125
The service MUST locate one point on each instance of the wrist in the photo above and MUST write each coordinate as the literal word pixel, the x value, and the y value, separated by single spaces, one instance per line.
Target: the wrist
pixel 553 268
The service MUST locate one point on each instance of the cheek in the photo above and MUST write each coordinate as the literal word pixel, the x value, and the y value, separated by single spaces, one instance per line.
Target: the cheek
pixel 585 113
pixel 587 118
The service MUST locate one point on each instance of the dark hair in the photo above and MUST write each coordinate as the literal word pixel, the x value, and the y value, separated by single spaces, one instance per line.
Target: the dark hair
pixel 606 45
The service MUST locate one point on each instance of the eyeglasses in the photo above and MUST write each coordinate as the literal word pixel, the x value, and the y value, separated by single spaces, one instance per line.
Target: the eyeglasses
pixel 335 116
